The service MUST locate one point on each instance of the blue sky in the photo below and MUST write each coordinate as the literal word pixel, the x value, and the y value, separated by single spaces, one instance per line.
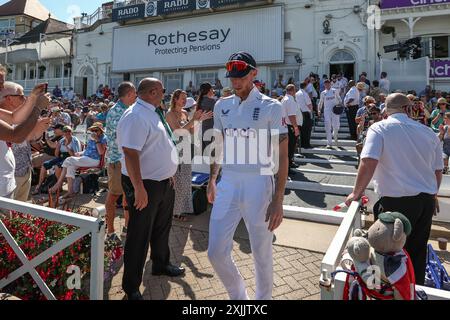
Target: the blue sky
pixel 66 9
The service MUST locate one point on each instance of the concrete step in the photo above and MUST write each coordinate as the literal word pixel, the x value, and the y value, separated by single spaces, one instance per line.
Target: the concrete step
pixel 326 172
pixel 324 135
pixel 343 190
pixel 322 129
pixel 325 161
pixel 324 142
pixel 333 152
pixel 344 124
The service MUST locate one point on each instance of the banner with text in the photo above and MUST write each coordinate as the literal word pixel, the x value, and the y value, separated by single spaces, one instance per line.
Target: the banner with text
pixel 440 69
pixel 390 4
pixel 200 41
pixel 128 12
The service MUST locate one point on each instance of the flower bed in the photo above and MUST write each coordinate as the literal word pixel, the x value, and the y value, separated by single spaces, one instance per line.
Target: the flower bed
pixel 35 235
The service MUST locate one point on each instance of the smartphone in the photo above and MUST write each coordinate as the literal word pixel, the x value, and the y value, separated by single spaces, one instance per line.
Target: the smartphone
pixel 46 88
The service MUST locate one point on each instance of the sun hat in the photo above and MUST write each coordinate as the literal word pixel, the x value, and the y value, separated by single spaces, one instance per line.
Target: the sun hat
pixel 97 125
pixel 190 102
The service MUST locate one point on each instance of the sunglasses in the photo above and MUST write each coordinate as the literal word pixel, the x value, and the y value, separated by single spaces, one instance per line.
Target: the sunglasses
pixel 374 113
pixel 238 65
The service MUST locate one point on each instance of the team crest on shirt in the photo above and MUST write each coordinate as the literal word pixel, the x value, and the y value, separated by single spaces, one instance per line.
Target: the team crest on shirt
pixel 256 112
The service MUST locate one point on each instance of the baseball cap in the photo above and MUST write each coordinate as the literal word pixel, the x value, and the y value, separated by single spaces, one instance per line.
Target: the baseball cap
pixel 237 70
pixel 67 129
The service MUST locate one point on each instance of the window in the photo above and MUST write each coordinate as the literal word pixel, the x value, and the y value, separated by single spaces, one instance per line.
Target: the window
pixel 173 81
pixel 67 72
pixel 287 74
pixel 342 56
pixel 7 26
pixel 57 73
pixel 41 73
pixel 201 77
pixel 32 73
pixel 441 47
pixel 139 77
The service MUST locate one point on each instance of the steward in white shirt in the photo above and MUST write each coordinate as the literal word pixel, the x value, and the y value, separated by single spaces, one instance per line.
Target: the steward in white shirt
pixel 304 102
pixel 404 158
pixel 149 163
pixel 351 101
pixel 293 118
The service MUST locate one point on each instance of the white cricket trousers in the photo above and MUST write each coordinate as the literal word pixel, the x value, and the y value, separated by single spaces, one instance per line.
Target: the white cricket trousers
pixel 73 163
pixel 332 124
pixel 247 196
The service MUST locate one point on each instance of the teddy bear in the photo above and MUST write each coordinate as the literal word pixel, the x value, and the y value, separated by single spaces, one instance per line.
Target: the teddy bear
pixel 382 247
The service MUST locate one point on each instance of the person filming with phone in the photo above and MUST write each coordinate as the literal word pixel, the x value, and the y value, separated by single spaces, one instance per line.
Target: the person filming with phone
pixel 437 116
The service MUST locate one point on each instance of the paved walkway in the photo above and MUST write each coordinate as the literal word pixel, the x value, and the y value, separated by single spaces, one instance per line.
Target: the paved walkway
pixel 296 271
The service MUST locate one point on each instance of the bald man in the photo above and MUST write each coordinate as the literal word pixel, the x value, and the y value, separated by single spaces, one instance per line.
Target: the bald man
pixel 150 161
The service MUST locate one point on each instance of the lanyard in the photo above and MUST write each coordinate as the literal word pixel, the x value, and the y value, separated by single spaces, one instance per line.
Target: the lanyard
pixel 164 122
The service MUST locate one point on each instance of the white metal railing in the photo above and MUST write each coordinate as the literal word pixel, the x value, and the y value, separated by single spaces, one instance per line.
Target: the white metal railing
pixel 93 225
pixel 332 289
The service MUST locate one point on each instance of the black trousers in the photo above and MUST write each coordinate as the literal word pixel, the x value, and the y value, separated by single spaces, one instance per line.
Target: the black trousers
pixel 305 131
pixel 419 210
pixel 351 115
pixel 292 143
pixel 149 226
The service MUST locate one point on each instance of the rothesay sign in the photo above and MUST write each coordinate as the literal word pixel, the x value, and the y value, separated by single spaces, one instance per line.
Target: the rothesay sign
pixel 200 42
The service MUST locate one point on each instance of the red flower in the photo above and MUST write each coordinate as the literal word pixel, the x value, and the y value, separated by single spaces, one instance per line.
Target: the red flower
pixel 68 295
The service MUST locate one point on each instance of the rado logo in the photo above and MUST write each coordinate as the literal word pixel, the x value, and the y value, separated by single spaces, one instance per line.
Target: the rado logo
pixel 175 3
pixel 128 11
pixel 151 9
pixel 203 4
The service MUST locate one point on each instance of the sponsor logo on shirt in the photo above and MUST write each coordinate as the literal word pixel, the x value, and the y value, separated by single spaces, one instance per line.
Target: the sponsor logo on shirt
pixel 256 113
pixel 225 113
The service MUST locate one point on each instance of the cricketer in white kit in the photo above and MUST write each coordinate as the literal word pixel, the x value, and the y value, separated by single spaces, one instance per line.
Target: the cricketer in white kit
pixel 328 99
pixel 251 127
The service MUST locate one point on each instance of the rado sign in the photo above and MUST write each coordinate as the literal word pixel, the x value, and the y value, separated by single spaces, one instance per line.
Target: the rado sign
pixel 174 6
pixel 129 12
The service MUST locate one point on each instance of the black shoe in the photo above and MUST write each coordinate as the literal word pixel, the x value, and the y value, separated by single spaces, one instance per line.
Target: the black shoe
pixel 170 270
pixel 135 296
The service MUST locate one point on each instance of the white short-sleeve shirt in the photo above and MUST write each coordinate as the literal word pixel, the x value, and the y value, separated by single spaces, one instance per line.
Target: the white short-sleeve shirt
pixel 141 129
pixel 353 93
pixel 248 127
pixel 291 108
pixel 303 100
pixel 408 155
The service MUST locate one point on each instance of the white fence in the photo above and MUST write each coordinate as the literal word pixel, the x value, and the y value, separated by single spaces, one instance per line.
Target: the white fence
pixel 332 289
pixel 93 225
